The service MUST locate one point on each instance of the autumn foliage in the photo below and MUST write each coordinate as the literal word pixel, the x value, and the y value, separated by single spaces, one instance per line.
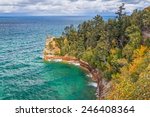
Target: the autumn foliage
pixel 115 47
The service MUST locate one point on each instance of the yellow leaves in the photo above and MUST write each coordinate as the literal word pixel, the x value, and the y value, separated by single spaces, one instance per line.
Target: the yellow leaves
pixel 114 43
pixel 143 84
pixel 122 90
pixel 135 64
pixel 113 51
pixel 116 76
pixel 122 61
pixel 66 41
pixel 127 51
pixel 140 52
pixel 133 81
pixel 138 58
pixel 146 74
pixel 109 67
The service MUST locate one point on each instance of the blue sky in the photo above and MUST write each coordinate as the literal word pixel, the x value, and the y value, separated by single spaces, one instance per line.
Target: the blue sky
pixel 68 7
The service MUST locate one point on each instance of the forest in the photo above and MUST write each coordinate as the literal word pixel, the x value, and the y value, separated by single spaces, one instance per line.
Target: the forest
pixel 119 48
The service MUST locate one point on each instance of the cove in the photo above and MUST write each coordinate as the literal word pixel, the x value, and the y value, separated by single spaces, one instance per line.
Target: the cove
pixel 23 73
pixel 69 82
pixel 48 81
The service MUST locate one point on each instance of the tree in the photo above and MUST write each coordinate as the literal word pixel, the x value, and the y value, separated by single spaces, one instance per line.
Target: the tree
pixel 116 48
pixel 135 37
pixel 146 19
pixel 120 12
pixel 121 26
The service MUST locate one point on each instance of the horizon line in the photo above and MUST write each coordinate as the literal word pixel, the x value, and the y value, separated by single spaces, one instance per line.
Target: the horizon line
pixel 57 15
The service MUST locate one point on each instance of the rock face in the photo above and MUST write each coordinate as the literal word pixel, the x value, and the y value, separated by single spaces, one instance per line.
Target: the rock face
pixel 51 47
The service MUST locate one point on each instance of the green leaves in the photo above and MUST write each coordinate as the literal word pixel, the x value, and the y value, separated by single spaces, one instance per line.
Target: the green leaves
pixel 116 48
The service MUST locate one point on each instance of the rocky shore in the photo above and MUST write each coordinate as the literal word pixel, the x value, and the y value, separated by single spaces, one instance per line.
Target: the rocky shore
pixel 102 85
pixel 72 60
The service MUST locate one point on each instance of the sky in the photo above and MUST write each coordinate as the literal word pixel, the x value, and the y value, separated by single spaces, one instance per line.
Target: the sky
pixel 68 7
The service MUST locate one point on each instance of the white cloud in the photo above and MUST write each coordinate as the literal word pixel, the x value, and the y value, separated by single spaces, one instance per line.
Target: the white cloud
pixel 68 7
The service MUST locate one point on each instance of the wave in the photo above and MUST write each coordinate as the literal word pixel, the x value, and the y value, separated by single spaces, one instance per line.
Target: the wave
pixel 94 84
pixel 89 75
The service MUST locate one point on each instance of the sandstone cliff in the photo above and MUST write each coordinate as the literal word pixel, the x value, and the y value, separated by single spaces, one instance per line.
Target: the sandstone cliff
pixel 51 47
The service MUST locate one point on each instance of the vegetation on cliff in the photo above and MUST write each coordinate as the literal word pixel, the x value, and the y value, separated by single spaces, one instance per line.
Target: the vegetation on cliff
pixel 119 48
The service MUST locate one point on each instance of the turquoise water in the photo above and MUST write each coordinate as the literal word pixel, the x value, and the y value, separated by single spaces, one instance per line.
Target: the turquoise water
pixel 23 73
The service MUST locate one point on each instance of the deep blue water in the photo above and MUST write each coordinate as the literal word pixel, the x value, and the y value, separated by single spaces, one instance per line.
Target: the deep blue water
pixel 23 73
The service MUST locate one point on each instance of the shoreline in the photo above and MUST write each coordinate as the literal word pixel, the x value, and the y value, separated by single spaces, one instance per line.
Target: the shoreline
pixel 94 73
pixel 72 60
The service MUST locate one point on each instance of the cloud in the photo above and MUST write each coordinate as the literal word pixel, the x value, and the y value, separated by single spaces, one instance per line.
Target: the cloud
pixel 68 7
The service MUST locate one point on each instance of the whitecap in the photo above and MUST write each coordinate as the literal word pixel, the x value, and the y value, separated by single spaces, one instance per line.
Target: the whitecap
pixel 89 75
pixel 94 84
pixel 58 60
pixel 77 64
